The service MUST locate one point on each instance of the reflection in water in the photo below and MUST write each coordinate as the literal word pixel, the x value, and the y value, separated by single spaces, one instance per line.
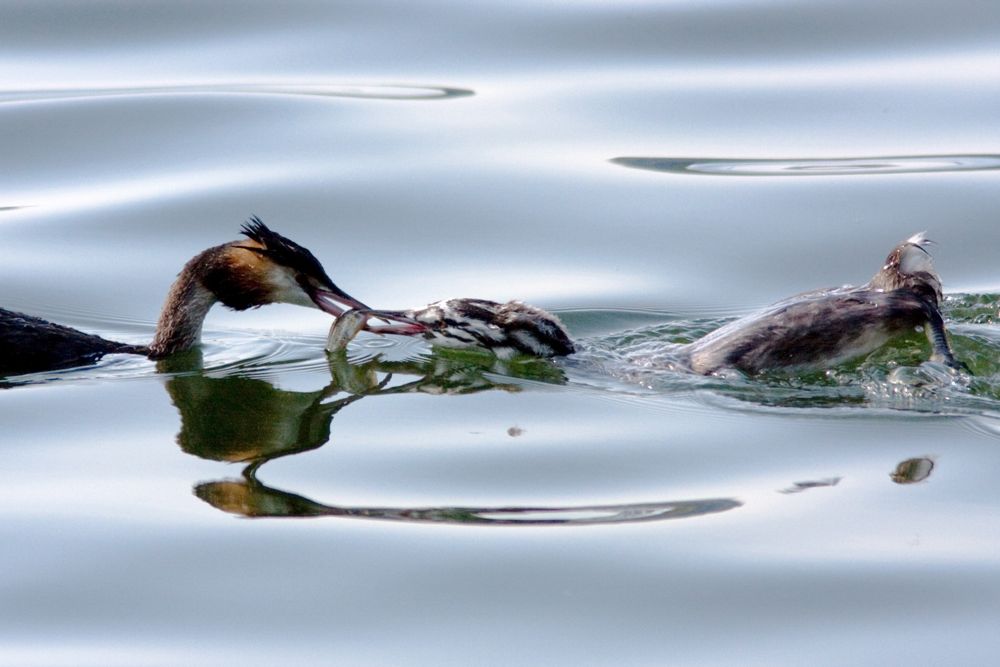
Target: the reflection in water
pixel 913 470
pixel 249 420
pixel 899 164
pixel 910 471
pixel 250 498
pixel 242 419
pixel 374 91
pixel 799 487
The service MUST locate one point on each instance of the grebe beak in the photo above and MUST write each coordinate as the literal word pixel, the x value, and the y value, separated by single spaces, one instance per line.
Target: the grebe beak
pixel 336 302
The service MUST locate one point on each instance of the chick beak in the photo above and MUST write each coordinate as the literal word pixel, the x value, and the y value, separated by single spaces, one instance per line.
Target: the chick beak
pixel 336 302
pixel 395 323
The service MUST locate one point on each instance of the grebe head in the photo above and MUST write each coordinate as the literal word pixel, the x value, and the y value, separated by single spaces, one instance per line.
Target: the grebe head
pixel 264 268
pixel 269 268
pixel 910 266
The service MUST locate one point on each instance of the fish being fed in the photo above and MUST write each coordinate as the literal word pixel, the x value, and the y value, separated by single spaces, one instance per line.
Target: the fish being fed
pixel 345 328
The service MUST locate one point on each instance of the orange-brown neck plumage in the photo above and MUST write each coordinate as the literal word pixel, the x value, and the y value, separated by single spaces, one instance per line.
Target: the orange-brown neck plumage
pixel 233 275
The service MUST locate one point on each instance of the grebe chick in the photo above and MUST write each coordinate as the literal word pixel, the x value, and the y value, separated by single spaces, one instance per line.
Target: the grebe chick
pixel 506 329
pixel 261 269
pixel 818 330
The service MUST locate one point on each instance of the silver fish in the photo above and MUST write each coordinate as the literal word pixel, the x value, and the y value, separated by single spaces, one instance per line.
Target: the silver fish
pixel 345 329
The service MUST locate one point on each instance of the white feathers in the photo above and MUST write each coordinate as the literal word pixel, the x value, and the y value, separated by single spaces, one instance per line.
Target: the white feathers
pixel 913 257
pixel 504 328
pixel 284 288
pixel 529 342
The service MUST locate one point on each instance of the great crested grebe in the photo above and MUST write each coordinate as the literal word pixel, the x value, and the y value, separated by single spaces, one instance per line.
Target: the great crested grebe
pixel 506 329
pixel 820 329
pixel 264 268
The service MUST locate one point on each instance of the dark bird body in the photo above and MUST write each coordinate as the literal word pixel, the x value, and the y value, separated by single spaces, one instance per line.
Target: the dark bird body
pixel 29 344
pixel 821 329
pixel 263 268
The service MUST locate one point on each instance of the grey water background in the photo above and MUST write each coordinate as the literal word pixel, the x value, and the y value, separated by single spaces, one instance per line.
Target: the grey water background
pixel 647 170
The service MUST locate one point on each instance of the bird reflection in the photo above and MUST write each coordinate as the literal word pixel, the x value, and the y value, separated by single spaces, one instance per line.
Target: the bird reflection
pixel 249 420
pixel 250 498
pixel 245 419
pixel 799 487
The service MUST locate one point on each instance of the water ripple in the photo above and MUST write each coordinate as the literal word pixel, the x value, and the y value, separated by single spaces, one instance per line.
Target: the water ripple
pixel 856 166
pixel 371 91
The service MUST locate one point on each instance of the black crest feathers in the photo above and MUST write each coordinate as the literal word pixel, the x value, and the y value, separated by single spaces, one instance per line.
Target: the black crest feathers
pixel 283 250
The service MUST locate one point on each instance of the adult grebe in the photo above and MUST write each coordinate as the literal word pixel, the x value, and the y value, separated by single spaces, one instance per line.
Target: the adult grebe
pixel 505 329
pixel 820 329
pixel 264 268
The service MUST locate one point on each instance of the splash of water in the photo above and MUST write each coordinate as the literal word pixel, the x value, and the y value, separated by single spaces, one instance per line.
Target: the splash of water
pixel 898 376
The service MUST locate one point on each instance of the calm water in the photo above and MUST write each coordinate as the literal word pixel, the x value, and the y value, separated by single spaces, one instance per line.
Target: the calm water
pixel 649 170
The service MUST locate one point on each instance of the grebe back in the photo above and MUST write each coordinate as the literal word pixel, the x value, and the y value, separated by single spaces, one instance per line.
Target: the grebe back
pixel 29 344
pixel 820 329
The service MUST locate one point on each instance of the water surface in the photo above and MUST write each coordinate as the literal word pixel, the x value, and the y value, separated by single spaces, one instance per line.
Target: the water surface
pixel 259 502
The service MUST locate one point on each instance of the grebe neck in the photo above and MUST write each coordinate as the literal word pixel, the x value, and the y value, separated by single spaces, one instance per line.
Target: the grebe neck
pixel 187 304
